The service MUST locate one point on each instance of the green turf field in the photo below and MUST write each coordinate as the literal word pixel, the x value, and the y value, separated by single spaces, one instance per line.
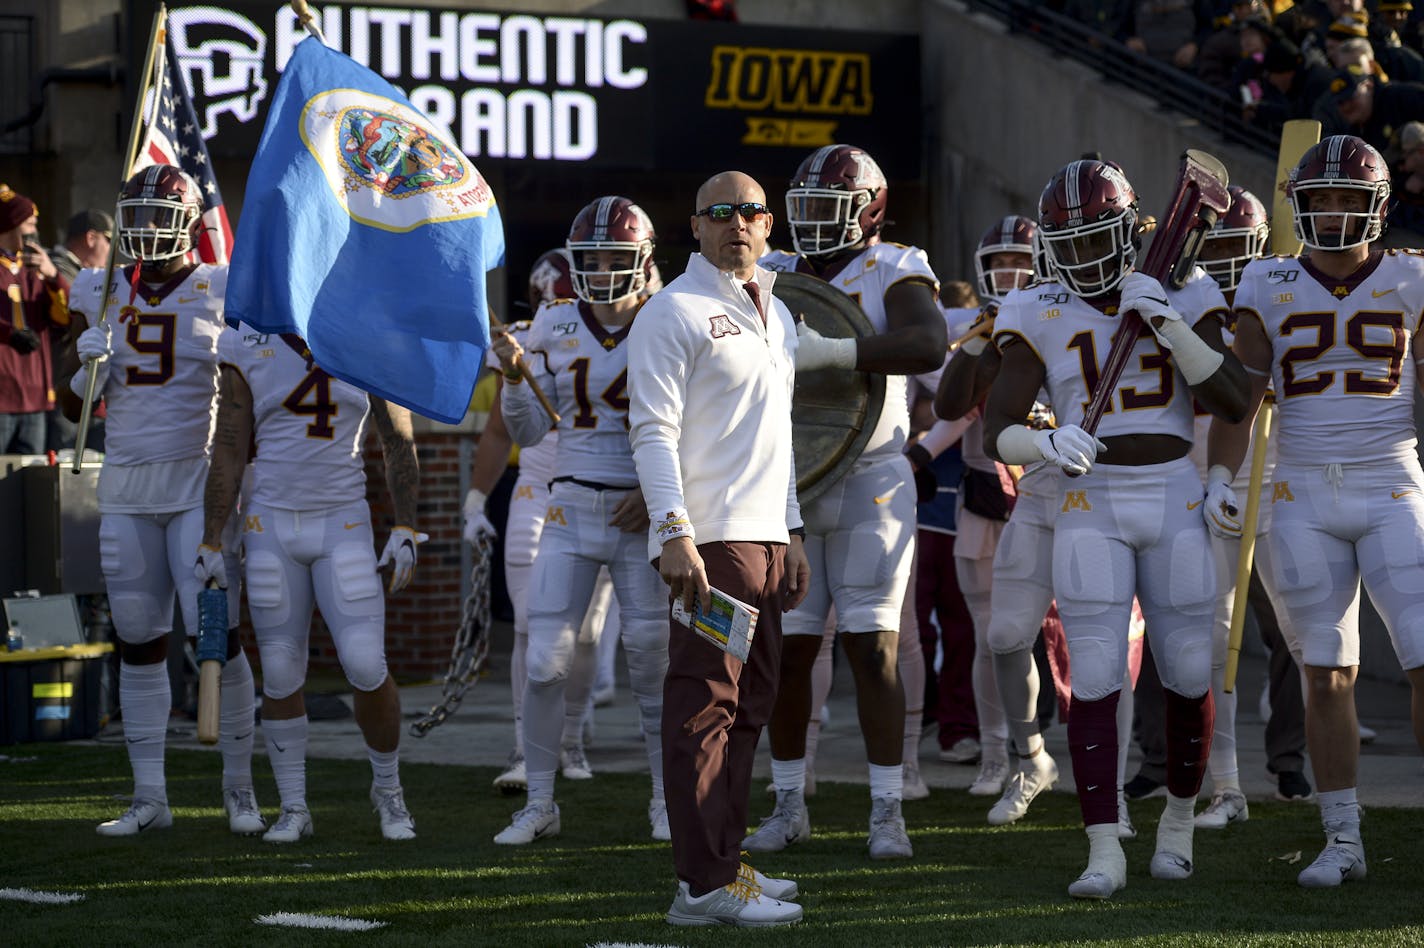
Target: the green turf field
pixel 604 880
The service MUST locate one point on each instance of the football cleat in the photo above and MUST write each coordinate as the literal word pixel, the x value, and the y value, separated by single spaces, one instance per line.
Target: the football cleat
pixel 573 763
pixel 1173 858
pixel 293 824
pixel 990 781
pixel 788 823
pixel 1226 807
pixel 914 784
pixel 514 779
pixel 1035 775
pixel 244 817
pixel 739 903
pixel 658 818
pixel 396 821
pixel 963 751
pixel 536 821
pixel 142 815
pixel 1343 860
pixel 888 839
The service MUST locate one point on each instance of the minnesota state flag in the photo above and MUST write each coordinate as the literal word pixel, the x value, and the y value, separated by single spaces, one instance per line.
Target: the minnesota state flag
pixel 366 232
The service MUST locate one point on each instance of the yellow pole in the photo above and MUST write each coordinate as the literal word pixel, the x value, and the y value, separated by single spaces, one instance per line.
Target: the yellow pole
pixel 1260 435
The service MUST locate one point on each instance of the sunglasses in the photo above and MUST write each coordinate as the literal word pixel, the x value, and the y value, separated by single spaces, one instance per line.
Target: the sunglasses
pixel 723 212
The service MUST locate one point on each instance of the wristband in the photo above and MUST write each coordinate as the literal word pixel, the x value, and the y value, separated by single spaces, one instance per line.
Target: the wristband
pixel 675 524
pixel 1196 360
pixel 919 455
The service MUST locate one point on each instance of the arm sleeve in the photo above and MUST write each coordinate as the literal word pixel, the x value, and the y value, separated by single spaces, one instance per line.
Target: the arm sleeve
pixel 659 354
pixel 524 417
pixel 944 434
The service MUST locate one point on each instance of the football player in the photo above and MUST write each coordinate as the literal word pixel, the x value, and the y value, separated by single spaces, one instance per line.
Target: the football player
pixel 859 532
pixel 595 514
pixel 156 364
pixel 308 539
pixel 1127 519
pixel 1335 333
pixel 549 281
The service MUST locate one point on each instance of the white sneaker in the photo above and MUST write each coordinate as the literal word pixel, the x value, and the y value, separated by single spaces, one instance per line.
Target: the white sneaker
pixel 914 784
pixel 783 890
pixel 1342 860
pixel 1173 858
pixel 603 695
pixel 294 823
pixel 963 751
pixel 888 839
pixel 788 823
pixel 736 904
pixel 536 821
pixel 573 764
pixel 514 779
pixel 244 817
pixel 991 778
pixel 1034 775
pixel 1226 807
pixel 1125 829
pixel 396 821
pixel 141 815
pixel 657 816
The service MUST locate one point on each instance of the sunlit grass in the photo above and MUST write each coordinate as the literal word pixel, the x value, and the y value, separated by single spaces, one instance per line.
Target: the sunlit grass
pixel 604 880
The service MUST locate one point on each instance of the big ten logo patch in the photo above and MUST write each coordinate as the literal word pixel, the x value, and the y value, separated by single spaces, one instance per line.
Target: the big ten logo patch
pixel 723 326
pixel 555 515
pixel 1076 500
pixel 252 524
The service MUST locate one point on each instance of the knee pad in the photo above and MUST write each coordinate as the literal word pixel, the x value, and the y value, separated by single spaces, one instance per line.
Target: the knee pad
pixel 550 654
pixel 353 570
pixel 1183 659
pixel 1097 656
pixel 361 650
pixel 284 668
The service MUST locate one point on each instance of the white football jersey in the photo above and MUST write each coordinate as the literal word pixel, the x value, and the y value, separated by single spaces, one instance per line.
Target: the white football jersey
pixel 866 278
pixel 536 462
pixel 309 427
pixel 163 376
pixel 1072 339
pixel 583 369
pixel 1341 362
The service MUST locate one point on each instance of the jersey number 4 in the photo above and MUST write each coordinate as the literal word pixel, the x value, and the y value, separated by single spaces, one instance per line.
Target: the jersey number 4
pixel 312 396
pixel 615 396
pixel 1323 325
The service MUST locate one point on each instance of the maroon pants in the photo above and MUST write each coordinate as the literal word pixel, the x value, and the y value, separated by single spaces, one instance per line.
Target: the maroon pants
pixel 937 592
pixel 714 708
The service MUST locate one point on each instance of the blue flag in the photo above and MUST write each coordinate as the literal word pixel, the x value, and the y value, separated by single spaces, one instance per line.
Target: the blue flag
pixel 368 234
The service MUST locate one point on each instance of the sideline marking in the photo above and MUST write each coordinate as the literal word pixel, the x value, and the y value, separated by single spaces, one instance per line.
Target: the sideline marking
pixel 337 923
pixel 42 898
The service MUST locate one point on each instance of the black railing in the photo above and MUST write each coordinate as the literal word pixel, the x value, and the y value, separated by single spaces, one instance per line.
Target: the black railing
pixel 1171 87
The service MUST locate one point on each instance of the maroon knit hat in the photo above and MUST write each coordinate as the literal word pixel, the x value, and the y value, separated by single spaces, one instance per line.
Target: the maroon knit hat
pixel 15 209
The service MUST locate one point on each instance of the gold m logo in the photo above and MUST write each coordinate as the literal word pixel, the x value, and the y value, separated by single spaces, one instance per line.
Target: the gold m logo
pixel 555 515
pixel 252 524
pixel 1280 490
pixel 1076 500
pixel 789 80
pixel 524 492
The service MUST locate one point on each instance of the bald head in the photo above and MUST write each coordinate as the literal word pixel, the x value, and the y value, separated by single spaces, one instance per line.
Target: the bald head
pixel 734 244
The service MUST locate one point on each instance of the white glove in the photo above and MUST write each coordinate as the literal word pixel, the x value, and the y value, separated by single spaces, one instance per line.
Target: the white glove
pixel 476 523
pixel 1146 295
pixel 815 351
pixel 1221 509
pixel 400 553
pixel 93 343
pixel 1070 447
pixel 210 565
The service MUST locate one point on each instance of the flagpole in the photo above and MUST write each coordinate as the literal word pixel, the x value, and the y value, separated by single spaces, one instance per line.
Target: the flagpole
pixel 156 38
pixel 306 19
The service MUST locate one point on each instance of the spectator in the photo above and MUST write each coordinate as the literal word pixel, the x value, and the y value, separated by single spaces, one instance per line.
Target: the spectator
pixel 1166 31
pixel 1222 50
pixel 38 296
pixel 1400 61
pixel 1406 168
pixel 1361 106
pixel 1356 55
pixel 86 243
pixel 1289 86
pixel 1395 16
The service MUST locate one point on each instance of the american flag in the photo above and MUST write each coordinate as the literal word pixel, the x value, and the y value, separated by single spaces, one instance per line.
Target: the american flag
pixel 174 137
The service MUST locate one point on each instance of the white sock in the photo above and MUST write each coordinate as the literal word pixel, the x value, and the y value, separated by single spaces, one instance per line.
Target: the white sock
pixel 238 721
pixel 146 701
pixel 385 768
pixel 789 774
pixel 1105 853
pixel 887 782
pixel 540 784
pixel 1340 811
pixel 287 751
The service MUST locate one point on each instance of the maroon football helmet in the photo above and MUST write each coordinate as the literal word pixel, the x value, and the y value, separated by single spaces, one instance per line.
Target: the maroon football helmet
pixel 550 278
pixel 836 200
pixel 1011 234
pixel 611 245
pixel 1238 237
pixel 1087 219
pixel 160 214
pixel 1339 162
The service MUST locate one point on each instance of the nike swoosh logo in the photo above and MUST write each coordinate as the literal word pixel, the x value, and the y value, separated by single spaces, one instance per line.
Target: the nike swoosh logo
pixel 189 299
pixel 884 498
pixel 1193 506
pixel 1194 740
pixel 1091 747
pixel 243 737
pixel 1091 787
pixel 143 826
pixel 1396 494
pixel 1378 293
pixel 280 748
pixel 353 526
